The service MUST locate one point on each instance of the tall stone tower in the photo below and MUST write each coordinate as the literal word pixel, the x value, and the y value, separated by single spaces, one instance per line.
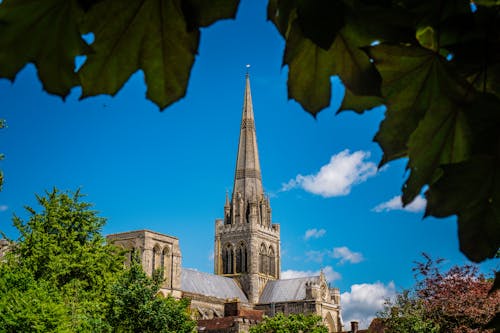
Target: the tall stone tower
pixel 247 243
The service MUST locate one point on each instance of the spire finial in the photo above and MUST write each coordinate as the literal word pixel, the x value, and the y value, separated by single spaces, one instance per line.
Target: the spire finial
pixel 248 70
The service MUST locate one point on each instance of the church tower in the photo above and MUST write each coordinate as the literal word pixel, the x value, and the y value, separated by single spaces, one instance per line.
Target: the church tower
pixel 247 243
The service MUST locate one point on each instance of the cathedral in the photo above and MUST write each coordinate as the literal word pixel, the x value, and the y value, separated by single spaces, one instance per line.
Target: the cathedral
pixel 246 282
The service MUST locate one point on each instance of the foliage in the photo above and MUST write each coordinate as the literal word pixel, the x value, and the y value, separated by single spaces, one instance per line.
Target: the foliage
pixel 158 37
pixel 436 67
pixel 293 323
pixel 136 307
pixel 61 276
pixel 455 301
pixel 28 305
pixel 407 314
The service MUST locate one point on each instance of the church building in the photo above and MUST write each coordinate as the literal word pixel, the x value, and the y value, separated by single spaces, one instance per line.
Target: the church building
pixel 247 257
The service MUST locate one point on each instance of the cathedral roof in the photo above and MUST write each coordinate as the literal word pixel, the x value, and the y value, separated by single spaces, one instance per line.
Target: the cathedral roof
pixel 210 285
pixel 286 290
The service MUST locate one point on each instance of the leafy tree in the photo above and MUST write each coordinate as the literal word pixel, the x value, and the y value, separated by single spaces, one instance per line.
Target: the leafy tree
pixel 136 306
pixel 61 276
pixel 407 314
pixel 28 305
pixel 293 323
pixel 457 300
pixel 435 65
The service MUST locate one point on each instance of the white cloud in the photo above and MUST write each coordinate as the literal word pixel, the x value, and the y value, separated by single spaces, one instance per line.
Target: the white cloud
pixel 330 274
pixel 316 256
pixel 337 177
pixel 314 233
pixel 417 205
pixel 3 208
pixel 364 301
pixel 345 255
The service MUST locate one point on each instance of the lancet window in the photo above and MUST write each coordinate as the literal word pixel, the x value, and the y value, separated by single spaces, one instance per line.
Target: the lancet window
pixel 228 260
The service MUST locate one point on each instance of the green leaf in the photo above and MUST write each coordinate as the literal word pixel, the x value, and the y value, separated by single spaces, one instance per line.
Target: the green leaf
pixel 45 33
pixel 202 13
pixel 414 79
pixel 141 34
pixel 442 137
pixel 471 190
pixel 310 68
pixel 426 36
pixel 358 104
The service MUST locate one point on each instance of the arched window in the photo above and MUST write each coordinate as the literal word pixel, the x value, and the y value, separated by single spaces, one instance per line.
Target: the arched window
pixel 241 258
pixel 153 261
pixel 263 260
pixel 272 262
pixel 164 260
pixel 228 260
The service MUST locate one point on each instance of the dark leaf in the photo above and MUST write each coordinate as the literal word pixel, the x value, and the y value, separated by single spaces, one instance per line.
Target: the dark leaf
pixel 202 13
pixel 45 33
pixel 413 79
pixel 358 104
pixel 442 137
pixel 471 190
pixel 142 34
pixel 310 68
pixel 321 20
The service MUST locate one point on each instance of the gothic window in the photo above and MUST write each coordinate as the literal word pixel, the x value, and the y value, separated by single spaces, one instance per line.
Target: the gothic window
pixel 272 262
pixel 228 260
pixel 263 264
pixel 241 259
pixel 245 260
pixel 153 262
pixel 164 260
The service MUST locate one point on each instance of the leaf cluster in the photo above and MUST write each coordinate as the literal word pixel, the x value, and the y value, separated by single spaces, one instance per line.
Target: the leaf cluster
pixel 136 307
pixel 436 67
pixel 293 323
pixel 159 37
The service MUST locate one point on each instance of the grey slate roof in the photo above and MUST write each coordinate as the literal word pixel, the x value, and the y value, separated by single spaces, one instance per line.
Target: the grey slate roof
pixel 210 285
pixel 286 290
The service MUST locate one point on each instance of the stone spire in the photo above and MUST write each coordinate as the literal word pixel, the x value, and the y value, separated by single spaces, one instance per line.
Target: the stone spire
pixel 247 180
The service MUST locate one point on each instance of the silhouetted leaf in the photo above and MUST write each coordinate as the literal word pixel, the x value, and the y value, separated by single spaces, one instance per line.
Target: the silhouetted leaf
pixel 358 104
pixel 44 33
pixel 141 34
pixel 471 190
pixel 310 68
pixel 202 13
pixel 414 79
pixel 321 20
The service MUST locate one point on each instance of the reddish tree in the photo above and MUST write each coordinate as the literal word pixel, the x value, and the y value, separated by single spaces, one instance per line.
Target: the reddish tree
pixel 458 300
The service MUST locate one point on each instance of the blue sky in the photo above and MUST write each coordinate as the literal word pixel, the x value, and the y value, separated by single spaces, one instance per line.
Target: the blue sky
pixel 169 171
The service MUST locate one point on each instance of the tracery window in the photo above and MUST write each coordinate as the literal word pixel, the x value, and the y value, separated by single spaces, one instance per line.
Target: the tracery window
pixel 241 258
pixel 263 262
pixel 228 260
pixel 272 262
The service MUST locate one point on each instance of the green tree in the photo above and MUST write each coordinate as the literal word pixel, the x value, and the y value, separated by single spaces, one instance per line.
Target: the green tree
pixel 28 305
pixel 407 314
pixel 135 305
pixel 61 276
pixel 293 323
